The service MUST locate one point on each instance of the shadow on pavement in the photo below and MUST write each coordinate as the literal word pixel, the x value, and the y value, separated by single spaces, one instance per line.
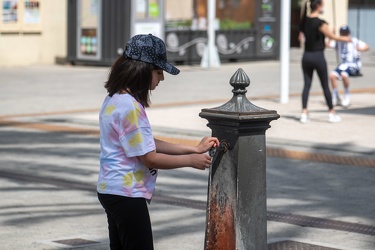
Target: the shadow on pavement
pixel 315 189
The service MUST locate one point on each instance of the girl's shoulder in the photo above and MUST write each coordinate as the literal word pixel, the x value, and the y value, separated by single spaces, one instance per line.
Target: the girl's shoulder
pixel 123 98
pixel 120 98
pixel 120 104
pixel 126 102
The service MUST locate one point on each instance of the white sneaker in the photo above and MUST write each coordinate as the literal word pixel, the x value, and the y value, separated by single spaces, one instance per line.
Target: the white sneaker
pixel 346 101
pixel 304 118
pixel 333 117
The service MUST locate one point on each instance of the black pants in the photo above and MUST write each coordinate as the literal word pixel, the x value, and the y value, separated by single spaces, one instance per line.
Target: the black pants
pixel 315 61
pixel 128 222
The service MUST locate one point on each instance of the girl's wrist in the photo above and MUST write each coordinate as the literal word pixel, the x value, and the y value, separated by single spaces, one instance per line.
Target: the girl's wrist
pixel 197 150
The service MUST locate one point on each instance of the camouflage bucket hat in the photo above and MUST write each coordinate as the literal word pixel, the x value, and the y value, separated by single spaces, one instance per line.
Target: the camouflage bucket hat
pixel 150 49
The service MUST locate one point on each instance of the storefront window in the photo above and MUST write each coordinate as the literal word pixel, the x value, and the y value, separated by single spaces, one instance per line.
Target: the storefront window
pixel 141 9
pixel 153 9
pixel 146 9
pixel 192 14
pixel 236 15
pixel 148 17
pixel 179 14
pixel 89 29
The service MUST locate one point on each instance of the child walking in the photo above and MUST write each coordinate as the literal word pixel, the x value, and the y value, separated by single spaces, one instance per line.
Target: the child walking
pixel 130 156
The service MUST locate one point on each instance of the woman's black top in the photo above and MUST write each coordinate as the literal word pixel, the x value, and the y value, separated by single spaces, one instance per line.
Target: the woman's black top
pixel 314 39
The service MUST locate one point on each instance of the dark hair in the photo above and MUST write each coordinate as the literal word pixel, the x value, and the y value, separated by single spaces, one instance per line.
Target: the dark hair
pixel 132 76
pixel 313 5
pixel 344 30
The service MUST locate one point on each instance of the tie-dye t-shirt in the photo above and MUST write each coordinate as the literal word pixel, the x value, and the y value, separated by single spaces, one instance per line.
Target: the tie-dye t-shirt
pixel 125 133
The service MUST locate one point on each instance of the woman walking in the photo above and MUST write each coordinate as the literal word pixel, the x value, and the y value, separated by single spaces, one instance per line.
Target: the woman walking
pixel 313 31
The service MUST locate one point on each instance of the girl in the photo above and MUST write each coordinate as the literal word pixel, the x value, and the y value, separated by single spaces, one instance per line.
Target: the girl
pixel 314 31
pixel 130 157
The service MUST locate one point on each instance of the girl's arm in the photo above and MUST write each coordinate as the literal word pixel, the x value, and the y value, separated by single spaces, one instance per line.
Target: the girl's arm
pixel 169 155
pixel 164 161
pixel 177 149
pixel 324 28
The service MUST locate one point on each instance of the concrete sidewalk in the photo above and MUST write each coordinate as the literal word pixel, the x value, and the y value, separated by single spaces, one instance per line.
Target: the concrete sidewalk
pixel 320 176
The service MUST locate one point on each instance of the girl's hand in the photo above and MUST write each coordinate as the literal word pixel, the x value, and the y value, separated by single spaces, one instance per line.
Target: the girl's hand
pixel 200 161
pixel 207 143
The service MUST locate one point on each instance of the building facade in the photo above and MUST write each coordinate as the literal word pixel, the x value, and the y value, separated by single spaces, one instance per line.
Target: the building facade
pixel 42 31
pixel 361 14
pixel 32 32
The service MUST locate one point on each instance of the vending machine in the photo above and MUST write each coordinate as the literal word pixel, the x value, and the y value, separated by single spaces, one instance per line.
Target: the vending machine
pixel 98 30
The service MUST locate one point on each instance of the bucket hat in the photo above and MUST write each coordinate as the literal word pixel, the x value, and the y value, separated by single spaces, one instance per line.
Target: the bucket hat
pixel 150 49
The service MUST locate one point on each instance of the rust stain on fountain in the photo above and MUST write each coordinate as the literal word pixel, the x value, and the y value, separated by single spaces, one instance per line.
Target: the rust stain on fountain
pixel 221 231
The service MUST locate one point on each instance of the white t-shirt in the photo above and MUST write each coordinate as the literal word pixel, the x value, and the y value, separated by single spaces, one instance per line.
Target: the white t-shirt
pixel 348 52
pixel 125 133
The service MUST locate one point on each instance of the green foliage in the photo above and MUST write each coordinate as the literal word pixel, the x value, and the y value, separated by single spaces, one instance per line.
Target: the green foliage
pixel 225 24
pixel 229 24
pixel 179 24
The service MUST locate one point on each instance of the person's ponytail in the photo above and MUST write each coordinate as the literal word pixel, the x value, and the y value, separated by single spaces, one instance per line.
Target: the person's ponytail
pixel 303 17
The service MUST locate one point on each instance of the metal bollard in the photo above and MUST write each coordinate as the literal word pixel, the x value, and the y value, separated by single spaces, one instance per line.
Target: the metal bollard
pixel 236 204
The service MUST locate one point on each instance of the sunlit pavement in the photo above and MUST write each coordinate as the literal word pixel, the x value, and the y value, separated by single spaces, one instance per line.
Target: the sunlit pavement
pixel 320 188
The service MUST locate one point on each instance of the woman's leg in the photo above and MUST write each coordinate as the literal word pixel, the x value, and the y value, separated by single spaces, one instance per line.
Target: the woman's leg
pixel 308 71
pixel 321 68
